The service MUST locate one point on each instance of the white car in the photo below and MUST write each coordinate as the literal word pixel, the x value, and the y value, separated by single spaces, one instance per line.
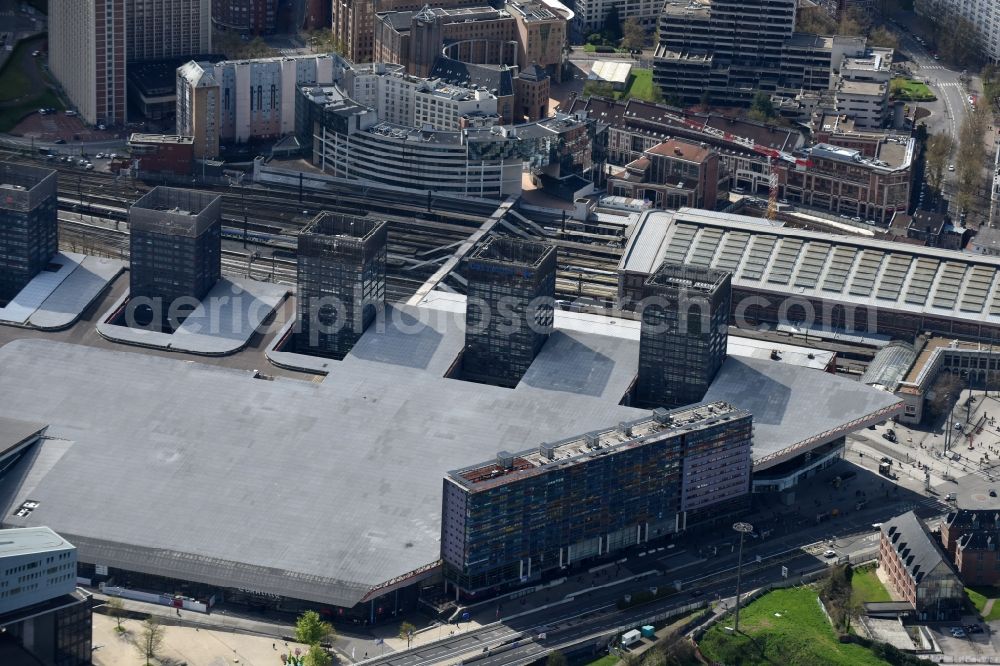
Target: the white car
pixel 951 167
pixel 828 553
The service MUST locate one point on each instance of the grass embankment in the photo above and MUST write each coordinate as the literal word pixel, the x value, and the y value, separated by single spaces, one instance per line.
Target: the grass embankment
pixel 783 627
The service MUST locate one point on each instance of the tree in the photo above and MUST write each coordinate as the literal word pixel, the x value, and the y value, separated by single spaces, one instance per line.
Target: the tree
pixel 150 639
pixel 323 41
pixel 943 394
pixel 312 630
pixel 882 37
pixel 116 609
pixel 815 21
pixel 939 147
pixel 761 108
pixel 317 656
pixel 634 35
pixel 406 630
pixel 556 658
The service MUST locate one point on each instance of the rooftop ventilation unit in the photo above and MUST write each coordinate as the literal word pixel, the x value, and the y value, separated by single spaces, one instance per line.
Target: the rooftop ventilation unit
pixel 547 450
pixel 625 429
pixel 505 459
pixel 662 416
pixel 592 440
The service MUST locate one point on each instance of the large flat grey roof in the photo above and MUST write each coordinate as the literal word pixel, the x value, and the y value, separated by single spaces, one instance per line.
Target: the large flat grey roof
pixel 319 491
pixel 315 491
pixel 795 409
pixel 14 432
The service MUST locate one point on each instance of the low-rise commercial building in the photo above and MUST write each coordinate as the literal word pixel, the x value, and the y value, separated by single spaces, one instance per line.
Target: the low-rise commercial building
pixel 44 618
pixel 511 520
pixel 918 570
pixel 674 174
pixel 162 153
pixel 29 228
pixel 865 101
pixel 844 181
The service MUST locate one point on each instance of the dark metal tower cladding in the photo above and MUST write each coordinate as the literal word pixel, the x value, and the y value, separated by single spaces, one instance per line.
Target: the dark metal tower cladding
pixel 341 281
pixel 682 344
pixel 509 312
pixel 29 228
pixel 176 250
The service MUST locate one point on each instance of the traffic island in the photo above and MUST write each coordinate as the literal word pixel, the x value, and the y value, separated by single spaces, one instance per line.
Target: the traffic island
pixel 222 323
pixel 57 297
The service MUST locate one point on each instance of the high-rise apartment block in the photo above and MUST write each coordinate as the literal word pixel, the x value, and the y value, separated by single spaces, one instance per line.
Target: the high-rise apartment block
pixel 176 251
pixel 509 311
pixel 511 520
pixel 91 42
pixel 682 341
pixel 257 17
pixel 727 50
pixel 29 228
pixel 87 56
pixel 984 15
pixel 341 277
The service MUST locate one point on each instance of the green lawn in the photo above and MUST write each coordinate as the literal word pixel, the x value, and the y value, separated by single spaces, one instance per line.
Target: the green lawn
pixel 606 660
pixel 783 627
pixel 912 90
pixel 979 596
pixel 865 586
pixel 642 85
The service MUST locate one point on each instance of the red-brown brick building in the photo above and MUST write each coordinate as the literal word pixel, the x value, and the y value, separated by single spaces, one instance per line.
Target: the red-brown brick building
pixel 971 539
pixel 918 569
pixel 674 174
pixel 162 153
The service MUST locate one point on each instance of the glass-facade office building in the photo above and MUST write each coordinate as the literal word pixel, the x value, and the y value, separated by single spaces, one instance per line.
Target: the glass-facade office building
pixel 512 520
pixel 682 343
pixel 29 226
pixel 341 278
pixel 176 252
pixel 509 310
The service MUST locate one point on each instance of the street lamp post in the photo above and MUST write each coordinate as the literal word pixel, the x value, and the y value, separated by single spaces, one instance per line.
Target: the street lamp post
pixel 743 529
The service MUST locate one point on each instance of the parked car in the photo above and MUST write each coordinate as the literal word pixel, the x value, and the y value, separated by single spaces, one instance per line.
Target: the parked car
pixel 951 167
pixel 70 112
pixel 828 553
pixel 60 141
pixel 890 436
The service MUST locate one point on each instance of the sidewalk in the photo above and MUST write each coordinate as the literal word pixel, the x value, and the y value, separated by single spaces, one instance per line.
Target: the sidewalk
pixel 215 620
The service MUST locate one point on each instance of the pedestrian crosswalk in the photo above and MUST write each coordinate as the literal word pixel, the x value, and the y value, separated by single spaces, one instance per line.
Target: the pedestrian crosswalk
pixel 933 67
pixel 928 503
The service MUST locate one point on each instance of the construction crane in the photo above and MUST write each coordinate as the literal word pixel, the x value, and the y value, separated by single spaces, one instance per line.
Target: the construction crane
pixel 772 196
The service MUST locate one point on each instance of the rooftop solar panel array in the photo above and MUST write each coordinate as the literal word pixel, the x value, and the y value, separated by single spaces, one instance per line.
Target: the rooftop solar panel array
pixel 680 243
pixel 733 246
pixel 977 287
pixel 760 254
pixel 855 269
pixel 812 264
pixel 949 283
pixel 840 266
pixel 705 247
pixel 893 276
pixel 866 272
pixel 784 261
pixel 921 279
